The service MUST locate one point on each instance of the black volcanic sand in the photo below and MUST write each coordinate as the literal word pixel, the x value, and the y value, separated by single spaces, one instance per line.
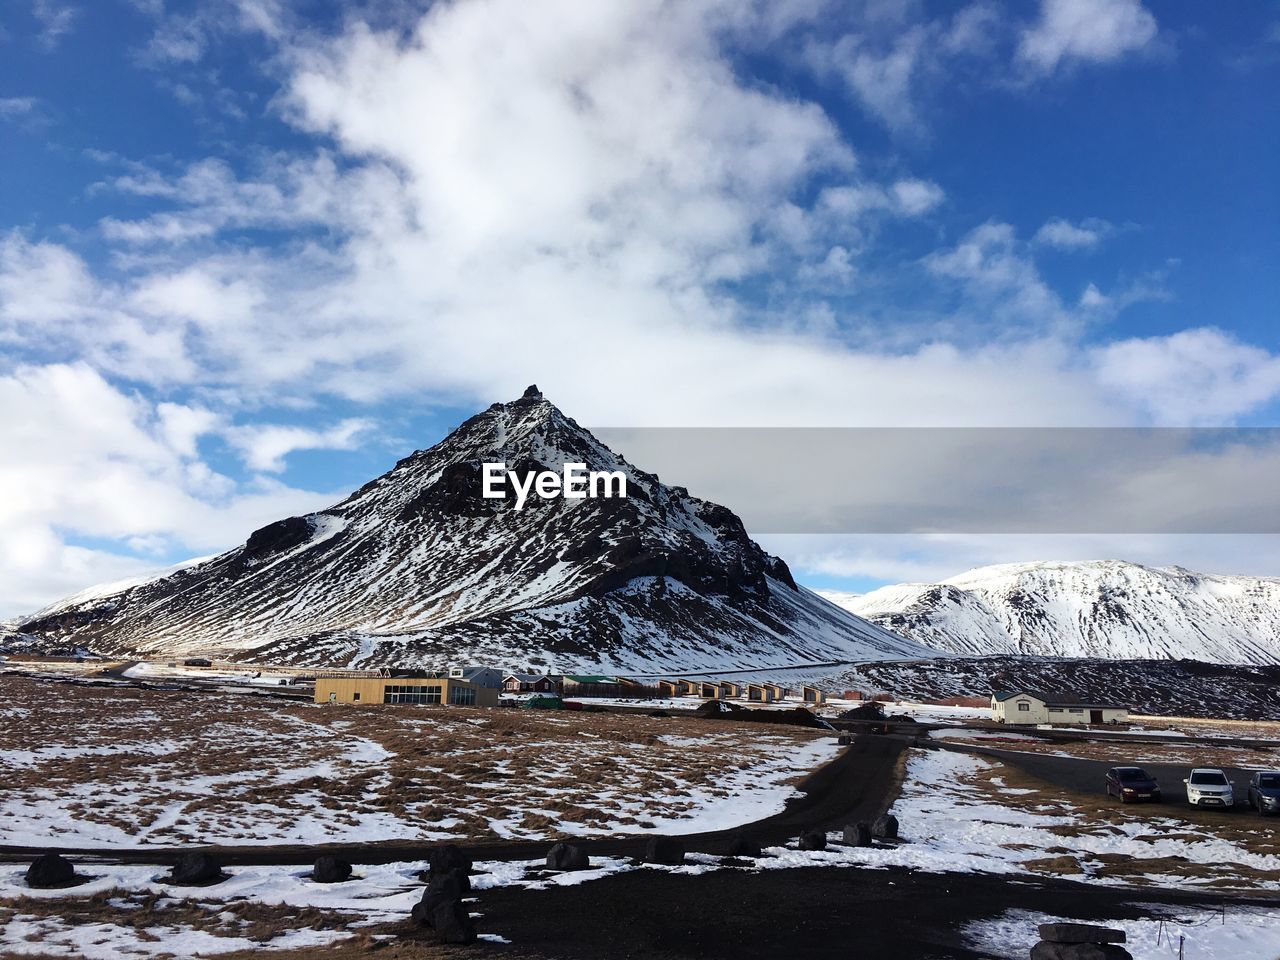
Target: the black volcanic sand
pixel 802 912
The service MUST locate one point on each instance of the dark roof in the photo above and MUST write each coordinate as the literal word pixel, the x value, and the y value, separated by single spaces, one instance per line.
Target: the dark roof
pixel 1058 699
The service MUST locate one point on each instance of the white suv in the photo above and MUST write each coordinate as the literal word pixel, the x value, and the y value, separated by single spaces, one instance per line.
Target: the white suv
pixel 1207 787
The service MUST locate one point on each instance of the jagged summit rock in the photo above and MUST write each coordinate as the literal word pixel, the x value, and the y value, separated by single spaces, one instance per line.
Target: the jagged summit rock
pixel 418 568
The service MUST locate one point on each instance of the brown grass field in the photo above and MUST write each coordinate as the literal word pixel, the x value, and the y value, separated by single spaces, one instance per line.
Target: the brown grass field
pixel 87 765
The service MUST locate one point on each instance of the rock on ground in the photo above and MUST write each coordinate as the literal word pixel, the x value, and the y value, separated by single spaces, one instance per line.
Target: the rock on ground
pixel 664 850
pixel 565 856
pixel 50 870
pixel 196 868
pixel 886 827
pixel 813 840
pixel 330 869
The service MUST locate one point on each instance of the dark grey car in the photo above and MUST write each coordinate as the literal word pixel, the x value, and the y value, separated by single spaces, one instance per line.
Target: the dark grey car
pixel 1264 792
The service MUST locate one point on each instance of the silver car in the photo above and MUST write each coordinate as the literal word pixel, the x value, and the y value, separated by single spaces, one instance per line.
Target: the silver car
pixel 1264 792
pixel 1209 787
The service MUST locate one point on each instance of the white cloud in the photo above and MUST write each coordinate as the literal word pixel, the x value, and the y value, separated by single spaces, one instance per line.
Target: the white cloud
pixel 917 197
pixel 11 107
pixel 578 219
pixel 1064 235
pixel 56 21
pixel 265 446
pixel 881 78
pixel 87 461
pixel 1098 31
pixel 1200 376
pixel 1002 279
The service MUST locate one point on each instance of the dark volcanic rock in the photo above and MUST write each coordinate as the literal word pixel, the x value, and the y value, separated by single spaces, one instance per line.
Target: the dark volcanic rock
pixel 813 840
pixel 1080 933
pixel 329 869
pixel 1047 950
pixel 196 869
pixel 665 850
pixel 453 883
pixel 277 538
pixel 744 846
pixel 49 871
pixel 443 899
pixel 886 826
pixel 452 923
pixel 858 834
pixel 448 857
pixel 565 856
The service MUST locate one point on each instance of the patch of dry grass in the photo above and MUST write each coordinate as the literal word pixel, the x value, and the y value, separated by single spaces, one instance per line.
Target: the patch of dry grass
pixel 166 766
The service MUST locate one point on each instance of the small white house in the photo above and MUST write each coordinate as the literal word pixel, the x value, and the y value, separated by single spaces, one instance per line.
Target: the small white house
pixel 1023 707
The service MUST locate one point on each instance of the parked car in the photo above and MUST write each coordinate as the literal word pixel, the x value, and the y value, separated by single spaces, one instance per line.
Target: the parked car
pixel 1131 784
pixel 1264 792
pixel 1208 787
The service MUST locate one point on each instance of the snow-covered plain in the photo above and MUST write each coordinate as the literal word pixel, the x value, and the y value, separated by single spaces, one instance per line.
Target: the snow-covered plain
pixel 1204 933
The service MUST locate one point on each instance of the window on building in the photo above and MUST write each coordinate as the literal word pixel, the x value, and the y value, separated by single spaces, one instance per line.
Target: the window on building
pixel 355 697
pixel 1023 705
pixel 462 696
pixel 1077 710
pixel 411 693
pixel 1055 709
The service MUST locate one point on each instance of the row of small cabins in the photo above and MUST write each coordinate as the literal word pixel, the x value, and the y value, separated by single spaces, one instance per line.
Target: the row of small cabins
pixel 627 688
pixel 482 686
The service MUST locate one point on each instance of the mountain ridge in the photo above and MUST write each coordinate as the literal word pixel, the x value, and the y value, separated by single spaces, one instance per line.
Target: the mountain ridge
pixel 1111 609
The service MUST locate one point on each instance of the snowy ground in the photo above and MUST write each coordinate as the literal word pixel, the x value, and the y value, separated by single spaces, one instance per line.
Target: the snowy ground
pixel 1203 933
pixel 127 767
pixel 246 675
pixel 966 813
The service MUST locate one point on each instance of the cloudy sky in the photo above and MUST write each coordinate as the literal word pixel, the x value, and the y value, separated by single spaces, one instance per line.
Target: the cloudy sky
pixel 254 251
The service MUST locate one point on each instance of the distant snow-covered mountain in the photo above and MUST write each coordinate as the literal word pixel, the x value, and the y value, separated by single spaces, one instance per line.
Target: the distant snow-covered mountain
pixel 1108 608
pixel 416 567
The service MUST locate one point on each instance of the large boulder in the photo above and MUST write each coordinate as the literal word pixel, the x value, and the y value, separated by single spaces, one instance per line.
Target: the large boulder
pixel 1080 933
pixel 565 856
pixel 443 888
pixel 1048 950
pixel 858 834
pixel 885 827
pixel 452 923
pixel 330 869
pixel 448 857
pixel 196 869
pixel 813 840
pixel 50 870
pixel 664 850
pixel 744 846
pixel 441 908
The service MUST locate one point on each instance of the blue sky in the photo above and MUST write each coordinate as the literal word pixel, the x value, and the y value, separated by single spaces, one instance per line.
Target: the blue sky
pixel 254 251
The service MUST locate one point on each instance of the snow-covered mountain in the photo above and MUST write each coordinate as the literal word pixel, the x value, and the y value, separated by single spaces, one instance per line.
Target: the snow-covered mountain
pixel 1107 608
pixel 416 567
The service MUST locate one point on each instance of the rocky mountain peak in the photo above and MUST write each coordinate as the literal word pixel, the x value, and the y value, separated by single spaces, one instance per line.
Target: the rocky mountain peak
pixel 417 566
